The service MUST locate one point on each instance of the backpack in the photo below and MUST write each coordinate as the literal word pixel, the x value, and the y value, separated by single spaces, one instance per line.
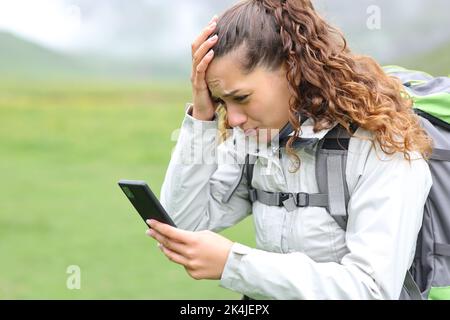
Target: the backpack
pixel 429 274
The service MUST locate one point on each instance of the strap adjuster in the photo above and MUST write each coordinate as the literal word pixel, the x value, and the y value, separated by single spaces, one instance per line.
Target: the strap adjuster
pixel 283 196
pixel 302 199
pixel 252 195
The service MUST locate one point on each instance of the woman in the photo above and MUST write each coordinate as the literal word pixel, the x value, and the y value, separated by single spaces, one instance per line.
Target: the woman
pixel 290 67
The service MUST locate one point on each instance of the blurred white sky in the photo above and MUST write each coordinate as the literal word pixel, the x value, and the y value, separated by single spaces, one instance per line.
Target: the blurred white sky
pixel 52 22
pixel 119 27
pixel 146 28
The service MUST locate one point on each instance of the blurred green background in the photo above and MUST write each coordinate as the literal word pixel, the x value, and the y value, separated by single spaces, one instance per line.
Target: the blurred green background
pixel 63 148
pixel 74 122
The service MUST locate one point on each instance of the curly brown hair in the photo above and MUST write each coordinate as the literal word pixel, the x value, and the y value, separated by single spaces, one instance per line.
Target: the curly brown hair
pixel 328 82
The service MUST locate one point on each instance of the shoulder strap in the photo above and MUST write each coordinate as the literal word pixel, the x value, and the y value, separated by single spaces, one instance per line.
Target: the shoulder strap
pixel 249 166
pixel 331 159
pixel 410 290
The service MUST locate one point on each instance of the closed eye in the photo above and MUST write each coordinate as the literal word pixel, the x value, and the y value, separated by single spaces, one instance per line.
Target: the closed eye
pixel 237 99
pixel 240 99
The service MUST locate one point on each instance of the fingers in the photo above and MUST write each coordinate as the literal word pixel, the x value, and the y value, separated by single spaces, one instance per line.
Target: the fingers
pixel 204 49
pixel 167 243
pixel 204 35
pixel 172 250
pixel 174 256
pixel 202 59
pixel 200 70
pixel 202 56
pixel 171 232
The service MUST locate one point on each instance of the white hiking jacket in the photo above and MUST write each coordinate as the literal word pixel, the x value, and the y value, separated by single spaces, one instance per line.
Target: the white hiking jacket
pixel 302 254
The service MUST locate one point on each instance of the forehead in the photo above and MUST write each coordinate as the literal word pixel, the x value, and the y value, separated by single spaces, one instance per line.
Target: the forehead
pixel 224 72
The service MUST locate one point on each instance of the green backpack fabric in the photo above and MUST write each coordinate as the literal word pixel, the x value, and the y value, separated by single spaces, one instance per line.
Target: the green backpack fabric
pixel 431 95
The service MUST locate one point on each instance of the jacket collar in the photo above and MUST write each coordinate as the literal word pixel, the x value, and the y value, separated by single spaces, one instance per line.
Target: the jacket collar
pixel 307 130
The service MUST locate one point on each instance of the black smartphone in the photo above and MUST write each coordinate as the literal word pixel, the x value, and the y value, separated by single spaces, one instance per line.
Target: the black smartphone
pixel 144 201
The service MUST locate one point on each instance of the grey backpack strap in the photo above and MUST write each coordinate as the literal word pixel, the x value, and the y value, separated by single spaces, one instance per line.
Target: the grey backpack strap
pixel 292 201
pixel 249 166
pixel 410 288
pixel 440 154
pixel 331 159
pixel 336 185
pixel 442 249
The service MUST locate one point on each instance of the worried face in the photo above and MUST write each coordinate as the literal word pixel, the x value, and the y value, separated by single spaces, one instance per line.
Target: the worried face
pixel 256 102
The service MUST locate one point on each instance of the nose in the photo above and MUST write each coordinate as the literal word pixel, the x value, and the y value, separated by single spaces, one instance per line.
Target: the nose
pixel 235 117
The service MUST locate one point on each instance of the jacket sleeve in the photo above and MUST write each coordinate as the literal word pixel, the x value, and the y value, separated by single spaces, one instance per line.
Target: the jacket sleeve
pixel 199 174
pixel 385 216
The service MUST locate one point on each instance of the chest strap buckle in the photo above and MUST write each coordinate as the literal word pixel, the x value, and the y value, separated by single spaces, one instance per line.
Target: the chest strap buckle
pixel 302 199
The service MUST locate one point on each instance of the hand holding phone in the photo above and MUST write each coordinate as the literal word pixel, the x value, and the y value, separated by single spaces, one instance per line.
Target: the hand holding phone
pixel 144 201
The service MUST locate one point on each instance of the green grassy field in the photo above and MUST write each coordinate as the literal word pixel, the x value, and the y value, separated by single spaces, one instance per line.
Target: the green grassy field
pixel 63 147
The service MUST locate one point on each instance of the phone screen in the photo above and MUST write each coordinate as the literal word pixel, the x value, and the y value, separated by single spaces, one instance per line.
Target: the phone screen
pixel 144 201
